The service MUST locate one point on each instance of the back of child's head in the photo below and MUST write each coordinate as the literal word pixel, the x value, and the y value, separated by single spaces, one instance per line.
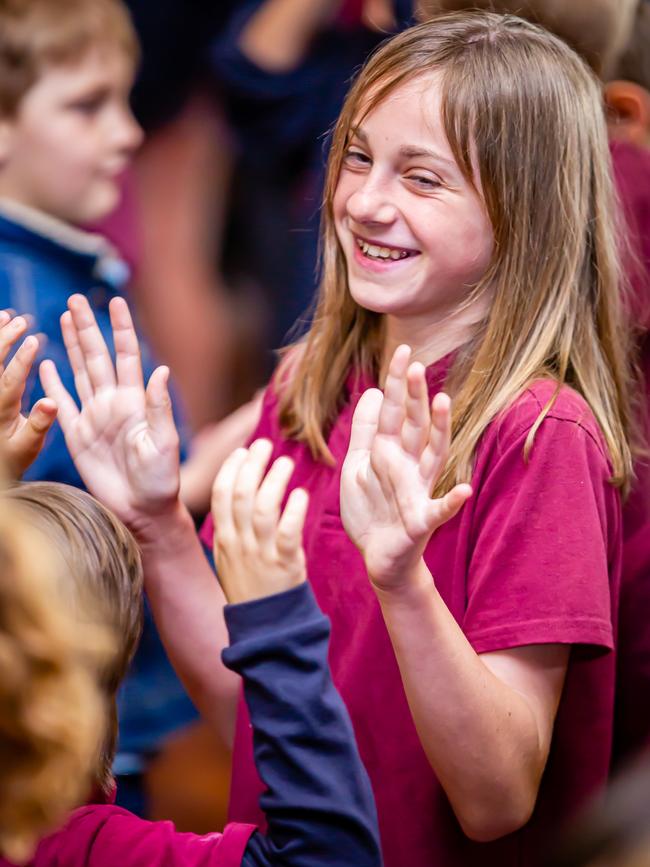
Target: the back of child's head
pixel 37 34
pixel 634 62
pixel 597 30
pixel 101 573
pixel 519 105
pixel 52 714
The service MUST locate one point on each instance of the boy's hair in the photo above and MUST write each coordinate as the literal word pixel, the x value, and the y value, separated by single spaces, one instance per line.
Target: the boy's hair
pixel 52 714
pixel 634 63
pixel 102 573
pixel 35 34
pixel 530 110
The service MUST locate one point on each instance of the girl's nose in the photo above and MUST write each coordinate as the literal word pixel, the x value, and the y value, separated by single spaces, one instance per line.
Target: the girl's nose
pixel 128 132
pixel 371 204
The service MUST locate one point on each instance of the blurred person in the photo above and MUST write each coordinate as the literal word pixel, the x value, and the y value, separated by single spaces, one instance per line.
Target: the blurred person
pixel 66 137
pixel 284 67
pixel 615 831
pixel 51 710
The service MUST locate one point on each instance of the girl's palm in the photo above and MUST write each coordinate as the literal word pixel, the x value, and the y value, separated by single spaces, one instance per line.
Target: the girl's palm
pixel 398 447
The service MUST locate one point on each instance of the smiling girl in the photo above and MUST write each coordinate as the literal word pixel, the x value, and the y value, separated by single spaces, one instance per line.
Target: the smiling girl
pixel 467 246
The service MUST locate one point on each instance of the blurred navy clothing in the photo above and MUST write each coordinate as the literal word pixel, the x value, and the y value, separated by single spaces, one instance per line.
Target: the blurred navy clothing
pixel 282 121
pixel 42 263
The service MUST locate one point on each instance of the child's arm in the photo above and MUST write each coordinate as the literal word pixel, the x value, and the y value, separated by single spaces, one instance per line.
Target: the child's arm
pixel 21 437
pixel 318 800
pixel 125 446
pixel 486 721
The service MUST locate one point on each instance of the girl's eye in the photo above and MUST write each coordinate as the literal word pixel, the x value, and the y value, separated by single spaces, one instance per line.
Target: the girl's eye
pixel 425 182
pixel 354 157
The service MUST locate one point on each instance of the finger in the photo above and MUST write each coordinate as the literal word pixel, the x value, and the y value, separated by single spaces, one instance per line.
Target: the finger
pixel 393 410
pixel 128 362
pixel 365 420
pixel 11 332
pixel 54 389
pixel 222 491
pixel 446 507
pixel 28 440
pixel 247 483
pixel 436 452
pixel 98 361
pixel 14 378
pixel 292 522
pixel 415 430
pixel 76 358
pixel 159 411
pixel 266 512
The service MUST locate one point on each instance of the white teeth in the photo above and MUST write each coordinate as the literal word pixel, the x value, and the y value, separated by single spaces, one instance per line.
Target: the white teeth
pixel 375 252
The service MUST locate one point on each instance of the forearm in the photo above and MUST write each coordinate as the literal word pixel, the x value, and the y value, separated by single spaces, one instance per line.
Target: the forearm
pixel 479 734
pixel 277 36
pixel 318 800
pixel 187 604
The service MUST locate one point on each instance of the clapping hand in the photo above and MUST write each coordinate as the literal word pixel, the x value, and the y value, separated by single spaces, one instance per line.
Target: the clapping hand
pixel 257 547
pixel 21 438
pixel 123 440
pixel 398 448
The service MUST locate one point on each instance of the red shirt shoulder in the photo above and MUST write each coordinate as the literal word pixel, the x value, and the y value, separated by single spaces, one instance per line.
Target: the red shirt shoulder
pixel 105 835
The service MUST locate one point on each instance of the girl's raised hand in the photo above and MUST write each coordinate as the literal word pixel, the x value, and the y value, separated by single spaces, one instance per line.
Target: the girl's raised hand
pixel 257 547
pixel 398 448
pixel 123 440
pixel 21 438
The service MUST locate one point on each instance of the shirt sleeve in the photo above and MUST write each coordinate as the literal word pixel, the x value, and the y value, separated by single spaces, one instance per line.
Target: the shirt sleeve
pixel 543 549
pixel 103 836
pixel 318 800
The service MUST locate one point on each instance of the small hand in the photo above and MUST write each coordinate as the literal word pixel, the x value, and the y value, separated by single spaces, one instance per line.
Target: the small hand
pixel 123 441
pixel 257 550
pixel 21 438
pixel 398 448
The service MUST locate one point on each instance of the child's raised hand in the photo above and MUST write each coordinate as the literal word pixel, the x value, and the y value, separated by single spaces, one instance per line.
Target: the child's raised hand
pixel 21 438
pixel 398 448
pixel 123 440
pixel 257 548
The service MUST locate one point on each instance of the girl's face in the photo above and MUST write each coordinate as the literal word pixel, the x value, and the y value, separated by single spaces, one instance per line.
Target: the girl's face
pixel 415 234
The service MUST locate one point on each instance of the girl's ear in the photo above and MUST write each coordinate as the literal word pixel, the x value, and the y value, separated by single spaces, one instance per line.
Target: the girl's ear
pixel 628 112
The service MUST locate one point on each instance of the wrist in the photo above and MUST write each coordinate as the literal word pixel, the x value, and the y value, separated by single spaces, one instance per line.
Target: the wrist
pixel 414 585
pixel 168 530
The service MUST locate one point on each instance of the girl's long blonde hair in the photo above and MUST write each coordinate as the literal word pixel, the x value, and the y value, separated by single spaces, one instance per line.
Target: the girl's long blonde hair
pixel 530 111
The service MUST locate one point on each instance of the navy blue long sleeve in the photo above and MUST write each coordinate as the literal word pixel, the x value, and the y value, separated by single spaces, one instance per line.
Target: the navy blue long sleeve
pixel 318 801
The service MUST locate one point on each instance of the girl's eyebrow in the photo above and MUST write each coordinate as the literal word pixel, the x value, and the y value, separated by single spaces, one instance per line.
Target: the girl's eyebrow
pixel 408 151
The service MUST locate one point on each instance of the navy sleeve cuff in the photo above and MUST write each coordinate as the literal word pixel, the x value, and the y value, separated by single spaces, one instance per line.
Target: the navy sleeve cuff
pixel 270 614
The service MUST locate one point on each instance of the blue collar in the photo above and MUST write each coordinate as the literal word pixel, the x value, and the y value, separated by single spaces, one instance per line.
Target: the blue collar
pixel 55 239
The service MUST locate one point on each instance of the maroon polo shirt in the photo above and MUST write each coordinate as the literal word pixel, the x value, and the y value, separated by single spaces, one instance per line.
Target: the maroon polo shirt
pixel 532 558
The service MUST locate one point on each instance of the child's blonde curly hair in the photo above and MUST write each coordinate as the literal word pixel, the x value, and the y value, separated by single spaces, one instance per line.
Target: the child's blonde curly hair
pixel 52 713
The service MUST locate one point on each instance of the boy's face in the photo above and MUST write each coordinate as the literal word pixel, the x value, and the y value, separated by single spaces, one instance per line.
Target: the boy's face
pixel 71 138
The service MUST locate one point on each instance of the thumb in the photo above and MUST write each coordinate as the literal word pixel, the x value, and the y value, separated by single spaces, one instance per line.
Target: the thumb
pixel 158 408
pixel 446 507
pixel 24 446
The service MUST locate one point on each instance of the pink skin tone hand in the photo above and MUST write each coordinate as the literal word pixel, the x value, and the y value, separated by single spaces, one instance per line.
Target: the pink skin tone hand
pixel 398 448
